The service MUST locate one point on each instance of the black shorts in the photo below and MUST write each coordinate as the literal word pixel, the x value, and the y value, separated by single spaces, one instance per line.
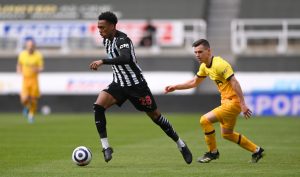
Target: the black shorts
pixel 139 95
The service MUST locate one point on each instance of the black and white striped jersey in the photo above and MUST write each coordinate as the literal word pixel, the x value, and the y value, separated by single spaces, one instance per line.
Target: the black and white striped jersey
pixel 121 56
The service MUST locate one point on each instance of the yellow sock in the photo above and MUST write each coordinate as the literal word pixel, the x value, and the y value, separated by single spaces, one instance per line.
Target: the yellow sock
pixel 209 132
pixel 32 108
pixel 241 140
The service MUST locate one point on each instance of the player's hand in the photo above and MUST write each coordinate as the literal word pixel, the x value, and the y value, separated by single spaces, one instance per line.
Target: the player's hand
pixel 246 111
pixel 95 64
pixel 34 68
pixel 169 88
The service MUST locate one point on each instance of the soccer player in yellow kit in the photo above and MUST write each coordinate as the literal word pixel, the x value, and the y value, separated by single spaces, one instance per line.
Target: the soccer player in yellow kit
pixel 30 64
pixel 232 103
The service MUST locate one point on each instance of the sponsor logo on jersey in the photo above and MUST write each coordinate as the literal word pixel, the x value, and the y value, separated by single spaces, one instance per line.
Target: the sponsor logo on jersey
pixel 124 46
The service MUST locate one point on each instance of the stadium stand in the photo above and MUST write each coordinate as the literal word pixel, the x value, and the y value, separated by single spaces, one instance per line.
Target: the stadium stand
pixel 269 9
pixel 129 9
pixel 263 36
pixel 278 63
pixel 266 42
pixel 266 36
pixel 81 51
pixel 73 20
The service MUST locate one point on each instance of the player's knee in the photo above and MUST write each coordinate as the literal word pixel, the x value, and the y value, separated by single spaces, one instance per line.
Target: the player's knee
pixel 207 126
pixel 24 99
pixel 228 136
pixel 204 122
pixel 98 108
pixel 154 115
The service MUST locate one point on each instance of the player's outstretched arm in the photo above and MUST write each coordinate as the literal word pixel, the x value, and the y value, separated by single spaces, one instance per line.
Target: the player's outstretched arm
pixel 186 85
pixel 238 90
pixel 19 68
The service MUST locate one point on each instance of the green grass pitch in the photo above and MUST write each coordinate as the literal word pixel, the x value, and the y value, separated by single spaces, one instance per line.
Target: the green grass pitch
pixel 141 149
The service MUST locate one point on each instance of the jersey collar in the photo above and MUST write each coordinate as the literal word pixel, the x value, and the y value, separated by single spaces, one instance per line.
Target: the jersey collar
pixel 209 66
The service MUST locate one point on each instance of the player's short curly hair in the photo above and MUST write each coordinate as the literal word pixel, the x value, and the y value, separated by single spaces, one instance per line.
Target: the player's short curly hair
pixel 108 16
pixel 203 42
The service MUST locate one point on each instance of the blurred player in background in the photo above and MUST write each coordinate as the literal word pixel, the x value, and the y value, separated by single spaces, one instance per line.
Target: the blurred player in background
pixel 149 36
pixel 232 102
pixel 128 84
pixel 30 64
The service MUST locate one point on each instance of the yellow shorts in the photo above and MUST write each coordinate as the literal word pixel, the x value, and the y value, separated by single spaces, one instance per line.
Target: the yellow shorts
pixel 30 87
pixel 227 113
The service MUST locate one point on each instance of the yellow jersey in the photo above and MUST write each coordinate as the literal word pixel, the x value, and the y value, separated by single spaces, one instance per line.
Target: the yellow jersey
pixel 29 61
pixel 220 71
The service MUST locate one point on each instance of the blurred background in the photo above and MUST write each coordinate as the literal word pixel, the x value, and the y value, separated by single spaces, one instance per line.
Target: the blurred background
pixel 260 40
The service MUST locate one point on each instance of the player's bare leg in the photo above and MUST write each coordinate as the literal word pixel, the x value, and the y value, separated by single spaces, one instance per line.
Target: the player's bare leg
pixel 166 126
pixel 103 102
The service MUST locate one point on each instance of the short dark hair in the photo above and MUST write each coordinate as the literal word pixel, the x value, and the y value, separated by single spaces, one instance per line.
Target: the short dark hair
pixel 29 38
pixel 203 42
pixel 108 16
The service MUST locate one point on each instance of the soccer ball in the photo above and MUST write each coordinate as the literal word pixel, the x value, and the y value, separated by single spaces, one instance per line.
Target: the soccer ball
pixel 81 156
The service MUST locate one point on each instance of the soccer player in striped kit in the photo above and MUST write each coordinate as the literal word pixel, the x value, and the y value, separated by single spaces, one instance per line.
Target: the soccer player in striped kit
pixel 128 84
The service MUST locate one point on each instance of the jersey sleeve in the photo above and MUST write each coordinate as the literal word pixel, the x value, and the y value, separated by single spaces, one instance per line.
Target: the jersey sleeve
pixel 124 46
pixel 225 70
pixel 201 72
pixel 20 57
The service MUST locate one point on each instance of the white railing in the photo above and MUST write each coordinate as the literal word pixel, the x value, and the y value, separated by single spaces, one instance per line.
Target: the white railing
pixel 280 30
pixel 194 30
pixel 62 34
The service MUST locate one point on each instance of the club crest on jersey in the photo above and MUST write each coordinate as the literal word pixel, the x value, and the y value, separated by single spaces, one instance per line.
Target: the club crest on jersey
pixel 124 46
pixel 219 83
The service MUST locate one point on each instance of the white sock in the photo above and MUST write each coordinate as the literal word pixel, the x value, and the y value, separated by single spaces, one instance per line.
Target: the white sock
pixel 104 142
pixel 180 143
pixel 30 116
pixel 257 149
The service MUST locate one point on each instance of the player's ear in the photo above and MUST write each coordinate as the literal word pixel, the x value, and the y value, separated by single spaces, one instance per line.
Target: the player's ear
pixel 113 26
pixel 209 50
